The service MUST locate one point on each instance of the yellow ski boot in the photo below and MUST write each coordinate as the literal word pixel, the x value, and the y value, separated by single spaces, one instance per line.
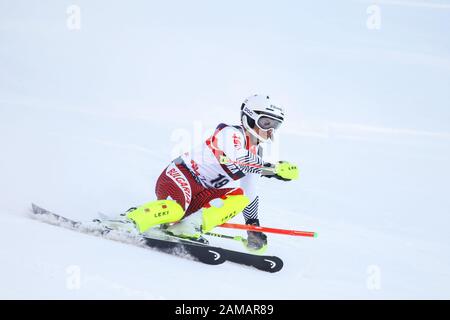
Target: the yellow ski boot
pixel 155 213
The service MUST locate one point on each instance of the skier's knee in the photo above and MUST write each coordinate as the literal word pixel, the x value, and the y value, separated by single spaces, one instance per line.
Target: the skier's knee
pixel 220 210
pixel 155 213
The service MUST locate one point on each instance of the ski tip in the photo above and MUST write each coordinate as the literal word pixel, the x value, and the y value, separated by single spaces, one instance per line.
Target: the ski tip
pixel 315 235
pixel 35 209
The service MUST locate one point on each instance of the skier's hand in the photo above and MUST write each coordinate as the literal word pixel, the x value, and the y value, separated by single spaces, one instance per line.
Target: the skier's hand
pixel 256 241
pixel 284 171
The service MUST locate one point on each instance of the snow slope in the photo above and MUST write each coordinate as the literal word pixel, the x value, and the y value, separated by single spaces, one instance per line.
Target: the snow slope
pixel 89 118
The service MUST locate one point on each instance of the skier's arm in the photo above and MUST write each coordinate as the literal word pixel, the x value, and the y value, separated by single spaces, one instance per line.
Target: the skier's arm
pixel 232 142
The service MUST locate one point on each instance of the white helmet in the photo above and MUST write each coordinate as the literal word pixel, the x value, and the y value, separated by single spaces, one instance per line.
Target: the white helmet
pixel 259 111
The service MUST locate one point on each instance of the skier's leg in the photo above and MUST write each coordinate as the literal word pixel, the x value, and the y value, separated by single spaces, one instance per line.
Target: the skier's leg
pixel 154 213
pixel 174 190
pixel 218 206
pixel 220 210
pixel 189 196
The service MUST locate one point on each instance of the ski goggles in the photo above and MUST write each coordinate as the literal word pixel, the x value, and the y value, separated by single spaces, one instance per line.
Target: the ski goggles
pixel 266 122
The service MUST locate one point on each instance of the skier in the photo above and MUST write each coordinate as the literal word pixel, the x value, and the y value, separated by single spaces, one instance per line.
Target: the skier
pixel 207 187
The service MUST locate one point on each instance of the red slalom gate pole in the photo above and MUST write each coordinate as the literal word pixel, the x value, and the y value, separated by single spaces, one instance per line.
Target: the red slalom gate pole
pixel 270 230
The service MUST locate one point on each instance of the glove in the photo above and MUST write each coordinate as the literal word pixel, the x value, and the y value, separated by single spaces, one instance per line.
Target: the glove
pixel 284 171
pixel 256 241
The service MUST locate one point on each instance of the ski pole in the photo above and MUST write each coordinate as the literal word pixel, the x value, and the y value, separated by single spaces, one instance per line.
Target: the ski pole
pixel 270 230
pixel 224 236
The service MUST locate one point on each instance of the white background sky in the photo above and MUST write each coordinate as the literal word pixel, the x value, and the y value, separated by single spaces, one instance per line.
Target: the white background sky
pixel 317 58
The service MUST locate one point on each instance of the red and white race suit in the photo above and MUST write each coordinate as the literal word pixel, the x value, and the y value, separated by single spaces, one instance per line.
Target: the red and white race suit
pixel 225 163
